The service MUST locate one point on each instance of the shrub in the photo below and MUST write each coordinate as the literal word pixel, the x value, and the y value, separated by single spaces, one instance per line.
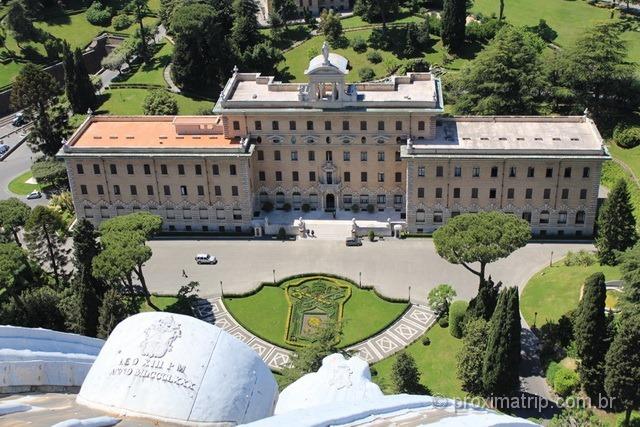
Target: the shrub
pixel 121 22
pixel 565 381
pixel 627 137
pixel 53 47
pixel 282 234
pixel 426 340
pixel 267 206
pixel 456 318
pixel 366 74
pixel 312 53
pixel 99 14
pixel 371 208
pixel 305 207
pixel 359 44
pixel 374 371
pixel 582 257
pixel 286 207
pixel 371 235
pixel 355 208
pixel 440 297
pixel 443 322
pixel 374 57
pixel 160 103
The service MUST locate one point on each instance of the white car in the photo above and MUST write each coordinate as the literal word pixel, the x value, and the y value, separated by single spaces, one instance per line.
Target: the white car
pixel 35 194
pixel 206 259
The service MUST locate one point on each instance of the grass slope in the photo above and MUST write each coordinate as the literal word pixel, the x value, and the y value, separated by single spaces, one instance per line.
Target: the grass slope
pixel 436 363
pixel 611 173
pixel 20 187
pixel 129 102
pixel 265 314
pixel 555 290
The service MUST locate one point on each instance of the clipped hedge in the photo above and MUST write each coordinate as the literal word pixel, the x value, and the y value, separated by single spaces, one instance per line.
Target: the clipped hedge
pixel 456 318
pixel 627 137
pixel 563 380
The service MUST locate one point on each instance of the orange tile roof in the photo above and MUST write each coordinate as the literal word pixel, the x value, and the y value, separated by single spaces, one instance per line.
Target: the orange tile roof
pixel 150 132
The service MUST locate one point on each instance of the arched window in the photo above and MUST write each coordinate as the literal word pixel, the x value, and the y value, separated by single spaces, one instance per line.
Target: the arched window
pixel 363 139
pixel 544 217
pixel 279 197
pixel 263 196
pixel 580 217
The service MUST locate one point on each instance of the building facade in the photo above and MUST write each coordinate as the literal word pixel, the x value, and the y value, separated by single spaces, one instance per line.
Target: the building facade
pixel 328 145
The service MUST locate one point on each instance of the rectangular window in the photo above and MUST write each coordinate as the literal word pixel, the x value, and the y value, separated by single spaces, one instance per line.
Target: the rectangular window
pixel 163 169
pixel 380 125
pixel 116 190
pixel 149 190
pixel 278 176
pixel 562 217
pixel 312 176
pixel 216 168
pixel 363 156
pixel 567 172
pixel 474 193
pixel 180 169
pixel 586 172
pixel 234 190
pixel 220 213
pixel 294 156
pixel 261 176
pixel 364 199
pixel 236 125
pixel 275 125
pixel 276 155
pixel 531 171
pixel 437 217
pixel 232 170
pixel 439 171
pixel 363 125
pixel 583 194
pixel 167 190
pixel 309 125
pixel 456 193
pixel 492 193
pixel 96 169
pixel 347 199
pixel 380 176
pixel 312 156
pixel 381 156
pixel 183 190
pixel 292 125
pixel 363 177
pixel 346 156
pixel 100 189
pixel 347 177
pixel 475 172
pixel 147 169
pixel 457 171
pixel 494 172
pixel 260 155
pixel 398 176
pixel 80 169
pixel 217 190
pixel 512 172
pixel 549 173
pixel 134 190
pixel 200 189
pixel 439 193
pixel 345 125
pixel 398 156
pixel 526 216
pixel 381 199
pixel 83 189
pixel 398 125
pixel 528 193
pixel 294 176
pixel 546 195
pixel 421 171
pixel 113 169
pixel 565 193
pixel 198 169
pixel 510 193
pixel 257 124
pixel 327 125
pixel 420 192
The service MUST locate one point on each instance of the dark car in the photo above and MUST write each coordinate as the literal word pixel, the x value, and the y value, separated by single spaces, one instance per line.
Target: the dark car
pixel 354 241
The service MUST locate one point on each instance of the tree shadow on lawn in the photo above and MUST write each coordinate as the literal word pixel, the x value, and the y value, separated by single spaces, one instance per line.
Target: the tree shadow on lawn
pixel 470 50
pixel 291 35
pixel 101 99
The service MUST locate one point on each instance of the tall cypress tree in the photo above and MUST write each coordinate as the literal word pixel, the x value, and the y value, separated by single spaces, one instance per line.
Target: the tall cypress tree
pixel 70 81
pixel 502 358
pixel 454 16
pixel 405 375
pixel 616 224
pixel 244 32
pixel 86 95
pixel 590 330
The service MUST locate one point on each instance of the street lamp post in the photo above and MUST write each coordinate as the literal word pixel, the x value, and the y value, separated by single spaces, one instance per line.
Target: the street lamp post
pixel 274 276
pixel 409 294
pixel 551 259
pixel 221 291
pixel 360 278
pixel 535 318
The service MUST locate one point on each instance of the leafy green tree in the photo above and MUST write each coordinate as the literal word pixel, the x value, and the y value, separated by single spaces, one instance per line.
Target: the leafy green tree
pixel 484 303
pixel 616 224
pixel 440 298
pixel 70 81
pixel 44 235
pixel 590 330
pixel 576 416
pixel 245 30
pixel 471 357
pixel 263 58
pixel 377 10
pixel 41 309
pixel 505 78
pixel 50 173
pixel 405 375
pixel 454 16
pixel 502 356
pixel 331 27
pixel 140 9
pixel 19 24
pixel 482 237
pixel 630 267
pixel 285 9
pixel 49 130
pixel 15 272
pixel 159 102
pixel 113 310
pixel 622 366
pixel 13 215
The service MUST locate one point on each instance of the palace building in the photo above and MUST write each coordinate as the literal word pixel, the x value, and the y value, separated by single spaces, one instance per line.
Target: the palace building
pixel 363 150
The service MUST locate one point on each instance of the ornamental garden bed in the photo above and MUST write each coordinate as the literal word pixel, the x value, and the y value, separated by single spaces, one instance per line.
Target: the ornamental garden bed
pixel 286 313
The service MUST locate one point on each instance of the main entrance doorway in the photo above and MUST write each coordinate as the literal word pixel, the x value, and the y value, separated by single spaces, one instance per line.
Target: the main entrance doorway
pixel 330 203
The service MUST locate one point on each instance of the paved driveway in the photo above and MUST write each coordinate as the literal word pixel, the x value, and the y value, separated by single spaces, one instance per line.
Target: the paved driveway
pixel 391 266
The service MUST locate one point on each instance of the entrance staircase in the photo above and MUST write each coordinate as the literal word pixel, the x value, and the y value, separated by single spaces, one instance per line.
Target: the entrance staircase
pixel 328 229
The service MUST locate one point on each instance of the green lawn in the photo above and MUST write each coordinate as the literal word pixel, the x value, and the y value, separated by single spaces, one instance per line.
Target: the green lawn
pixel 20 187
pixel 162 302
pixel 129 102
pixel 355 21
pixel 631 156
pixel 436 363
pixel 611 173
pixel 265 314
pixel 152 72
pixel 555 290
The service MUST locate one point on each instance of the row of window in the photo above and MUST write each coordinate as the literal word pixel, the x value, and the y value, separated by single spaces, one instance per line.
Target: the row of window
pixel 328 156
pixel 187 213
pixel 513 172
pixel 164 170
pixel 347 199
pixel 528 194
pixel 421 216
pixel 328 125
pixel 133 190
pixel 295 176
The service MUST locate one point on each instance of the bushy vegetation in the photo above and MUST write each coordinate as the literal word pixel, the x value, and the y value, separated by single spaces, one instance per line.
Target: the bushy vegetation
pixel 582 257
pixel 374 57
pixel 456 318
pixel 99 14
pixel 366 74
pixel 121 21
pixel 563 380
pixel 628 137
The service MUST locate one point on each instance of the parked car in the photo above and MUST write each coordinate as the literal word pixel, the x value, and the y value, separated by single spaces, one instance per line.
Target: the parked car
pixel 206 259
pixel 4 148
pixel 35 194
pixel 354 241
pixel 18 120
